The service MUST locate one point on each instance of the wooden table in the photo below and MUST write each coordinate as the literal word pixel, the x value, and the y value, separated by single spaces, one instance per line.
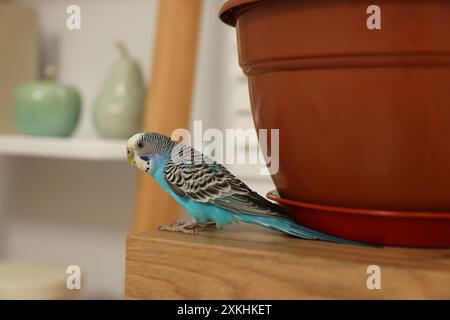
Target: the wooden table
pixel 242 262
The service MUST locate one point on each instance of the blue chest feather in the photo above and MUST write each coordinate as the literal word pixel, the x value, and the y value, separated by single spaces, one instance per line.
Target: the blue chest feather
pixel 201 212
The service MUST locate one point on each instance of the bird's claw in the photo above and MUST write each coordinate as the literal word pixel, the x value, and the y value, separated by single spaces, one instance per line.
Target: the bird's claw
pixel 174 224
pixel 180 227
pixel 211 226
pixel 190 228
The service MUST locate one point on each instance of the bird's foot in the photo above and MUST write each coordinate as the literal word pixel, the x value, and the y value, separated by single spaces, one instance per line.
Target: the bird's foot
pixel 190 227
pixel 180 227
pixel 209 226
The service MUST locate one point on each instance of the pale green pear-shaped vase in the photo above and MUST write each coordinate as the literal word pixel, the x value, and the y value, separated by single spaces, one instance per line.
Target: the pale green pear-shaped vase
pixel 119 104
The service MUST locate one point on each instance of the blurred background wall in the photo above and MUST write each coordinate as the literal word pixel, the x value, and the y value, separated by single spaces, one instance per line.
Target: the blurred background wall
pixel 79 212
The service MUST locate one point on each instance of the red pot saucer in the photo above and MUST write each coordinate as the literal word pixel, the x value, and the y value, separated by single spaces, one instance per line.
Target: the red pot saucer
pixel 397 228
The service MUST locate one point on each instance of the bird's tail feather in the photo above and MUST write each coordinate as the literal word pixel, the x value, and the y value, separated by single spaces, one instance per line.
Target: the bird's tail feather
pixel 290 227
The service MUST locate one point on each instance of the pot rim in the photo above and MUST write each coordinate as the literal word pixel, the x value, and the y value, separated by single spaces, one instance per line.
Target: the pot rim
pixel 229 11
pixel 274 196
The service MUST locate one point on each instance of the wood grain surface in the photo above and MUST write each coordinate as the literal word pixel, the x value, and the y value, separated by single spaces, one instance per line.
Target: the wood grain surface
pixel 242 262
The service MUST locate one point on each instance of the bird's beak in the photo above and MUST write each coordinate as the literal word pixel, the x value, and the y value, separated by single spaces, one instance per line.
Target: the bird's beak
pixel 130 157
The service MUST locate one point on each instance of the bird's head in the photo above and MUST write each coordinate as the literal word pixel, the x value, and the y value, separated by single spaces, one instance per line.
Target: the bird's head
pixel 144 148
pixel 135 148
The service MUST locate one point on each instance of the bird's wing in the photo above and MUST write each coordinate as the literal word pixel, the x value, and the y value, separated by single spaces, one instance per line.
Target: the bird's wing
pixel 204 180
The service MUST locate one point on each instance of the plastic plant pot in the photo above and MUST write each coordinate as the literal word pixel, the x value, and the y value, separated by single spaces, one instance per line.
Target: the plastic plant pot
pixel 364 115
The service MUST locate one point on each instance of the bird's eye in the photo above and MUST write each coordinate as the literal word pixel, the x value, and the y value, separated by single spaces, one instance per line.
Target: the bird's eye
pixel 140 144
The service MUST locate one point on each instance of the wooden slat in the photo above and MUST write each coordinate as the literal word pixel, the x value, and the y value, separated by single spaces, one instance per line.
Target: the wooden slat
pixel 168 103
pixel 248 263
pixel 19 56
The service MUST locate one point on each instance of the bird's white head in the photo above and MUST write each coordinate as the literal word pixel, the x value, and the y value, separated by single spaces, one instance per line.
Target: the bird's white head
pixel 143 148
pixel 136 148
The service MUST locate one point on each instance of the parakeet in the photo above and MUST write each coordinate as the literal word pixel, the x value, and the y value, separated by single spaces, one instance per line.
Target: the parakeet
pixel 207 190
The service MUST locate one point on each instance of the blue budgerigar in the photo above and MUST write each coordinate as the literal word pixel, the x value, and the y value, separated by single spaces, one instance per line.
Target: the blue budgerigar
pixel 207 190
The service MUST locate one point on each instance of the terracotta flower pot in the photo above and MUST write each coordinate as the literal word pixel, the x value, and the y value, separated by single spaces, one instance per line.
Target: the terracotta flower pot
pixel 364 115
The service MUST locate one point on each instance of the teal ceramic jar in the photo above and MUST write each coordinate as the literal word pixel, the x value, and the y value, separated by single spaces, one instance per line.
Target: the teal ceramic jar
pixel 47 108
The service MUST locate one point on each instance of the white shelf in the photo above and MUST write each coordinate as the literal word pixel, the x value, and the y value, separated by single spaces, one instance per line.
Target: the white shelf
pixel 65 148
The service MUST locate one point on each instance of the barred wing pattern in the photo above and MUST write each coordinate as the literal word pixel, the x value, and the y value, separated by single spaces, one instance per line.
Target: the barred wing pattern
pixel 203 180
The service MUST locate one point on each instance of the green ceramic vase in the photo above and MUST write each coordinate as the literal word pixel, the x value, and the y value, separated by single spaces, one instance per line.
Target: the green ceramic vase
pixel 46 108
pixel 119 104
